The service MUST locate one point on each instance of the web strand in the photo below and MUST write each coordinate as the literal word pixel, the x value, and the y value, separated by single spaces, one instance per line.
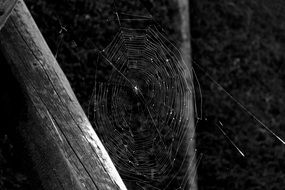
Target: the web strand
pixel 240 104
pixel 139 108
pixel 229 139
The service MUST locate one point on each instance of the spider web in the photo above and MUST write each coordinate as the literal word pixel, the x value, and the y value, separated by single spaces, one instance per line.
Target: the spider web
pixel 141 108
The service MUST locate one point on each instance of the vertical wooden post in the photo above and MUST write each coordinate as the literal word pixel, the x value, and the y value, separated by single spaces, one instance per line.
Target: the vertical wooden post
pixel 185 46
pixel 64 147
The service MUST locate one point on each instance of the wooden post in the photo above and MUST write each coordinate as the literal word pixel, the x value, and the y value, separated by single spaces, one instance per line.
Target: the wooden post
pixel 185 46
pixel 64 147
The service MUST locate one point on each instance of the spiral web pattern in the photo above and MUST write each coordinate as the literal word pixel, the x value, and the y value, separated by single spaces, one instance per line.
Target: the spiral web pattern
pixel 140 109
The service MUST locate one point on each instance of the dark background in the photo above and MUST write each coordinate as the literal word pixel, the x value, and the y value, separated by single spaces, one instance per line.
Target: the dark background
pixel 240 44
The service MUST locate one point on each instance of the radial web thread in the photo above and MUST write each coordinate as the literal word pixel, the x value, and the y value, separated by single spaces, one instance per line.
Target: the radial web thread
pixel 141 109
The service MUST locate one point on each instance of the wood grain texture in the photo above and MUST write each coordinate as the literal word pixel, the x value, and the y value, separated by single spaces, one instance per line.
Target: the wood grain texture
pixel 6 7
pixel 185 47
pixel 67 152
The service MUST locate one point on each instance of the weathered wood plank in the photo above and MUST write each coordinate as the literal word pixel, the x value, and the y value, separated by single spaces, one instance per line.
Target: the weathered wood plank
pixel 67 152
pixel 185 47
pixel 6 7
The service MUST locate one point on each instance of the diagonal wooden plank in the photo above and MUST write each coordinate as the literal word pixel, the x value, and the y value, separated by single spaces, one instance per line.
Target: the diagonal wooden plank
pixel 6 7
pixel 65 149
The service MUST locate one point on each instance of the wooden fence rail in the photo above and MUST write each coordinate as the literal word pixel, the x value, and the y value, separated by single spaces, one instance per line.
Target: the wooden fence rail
pixel 65 149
